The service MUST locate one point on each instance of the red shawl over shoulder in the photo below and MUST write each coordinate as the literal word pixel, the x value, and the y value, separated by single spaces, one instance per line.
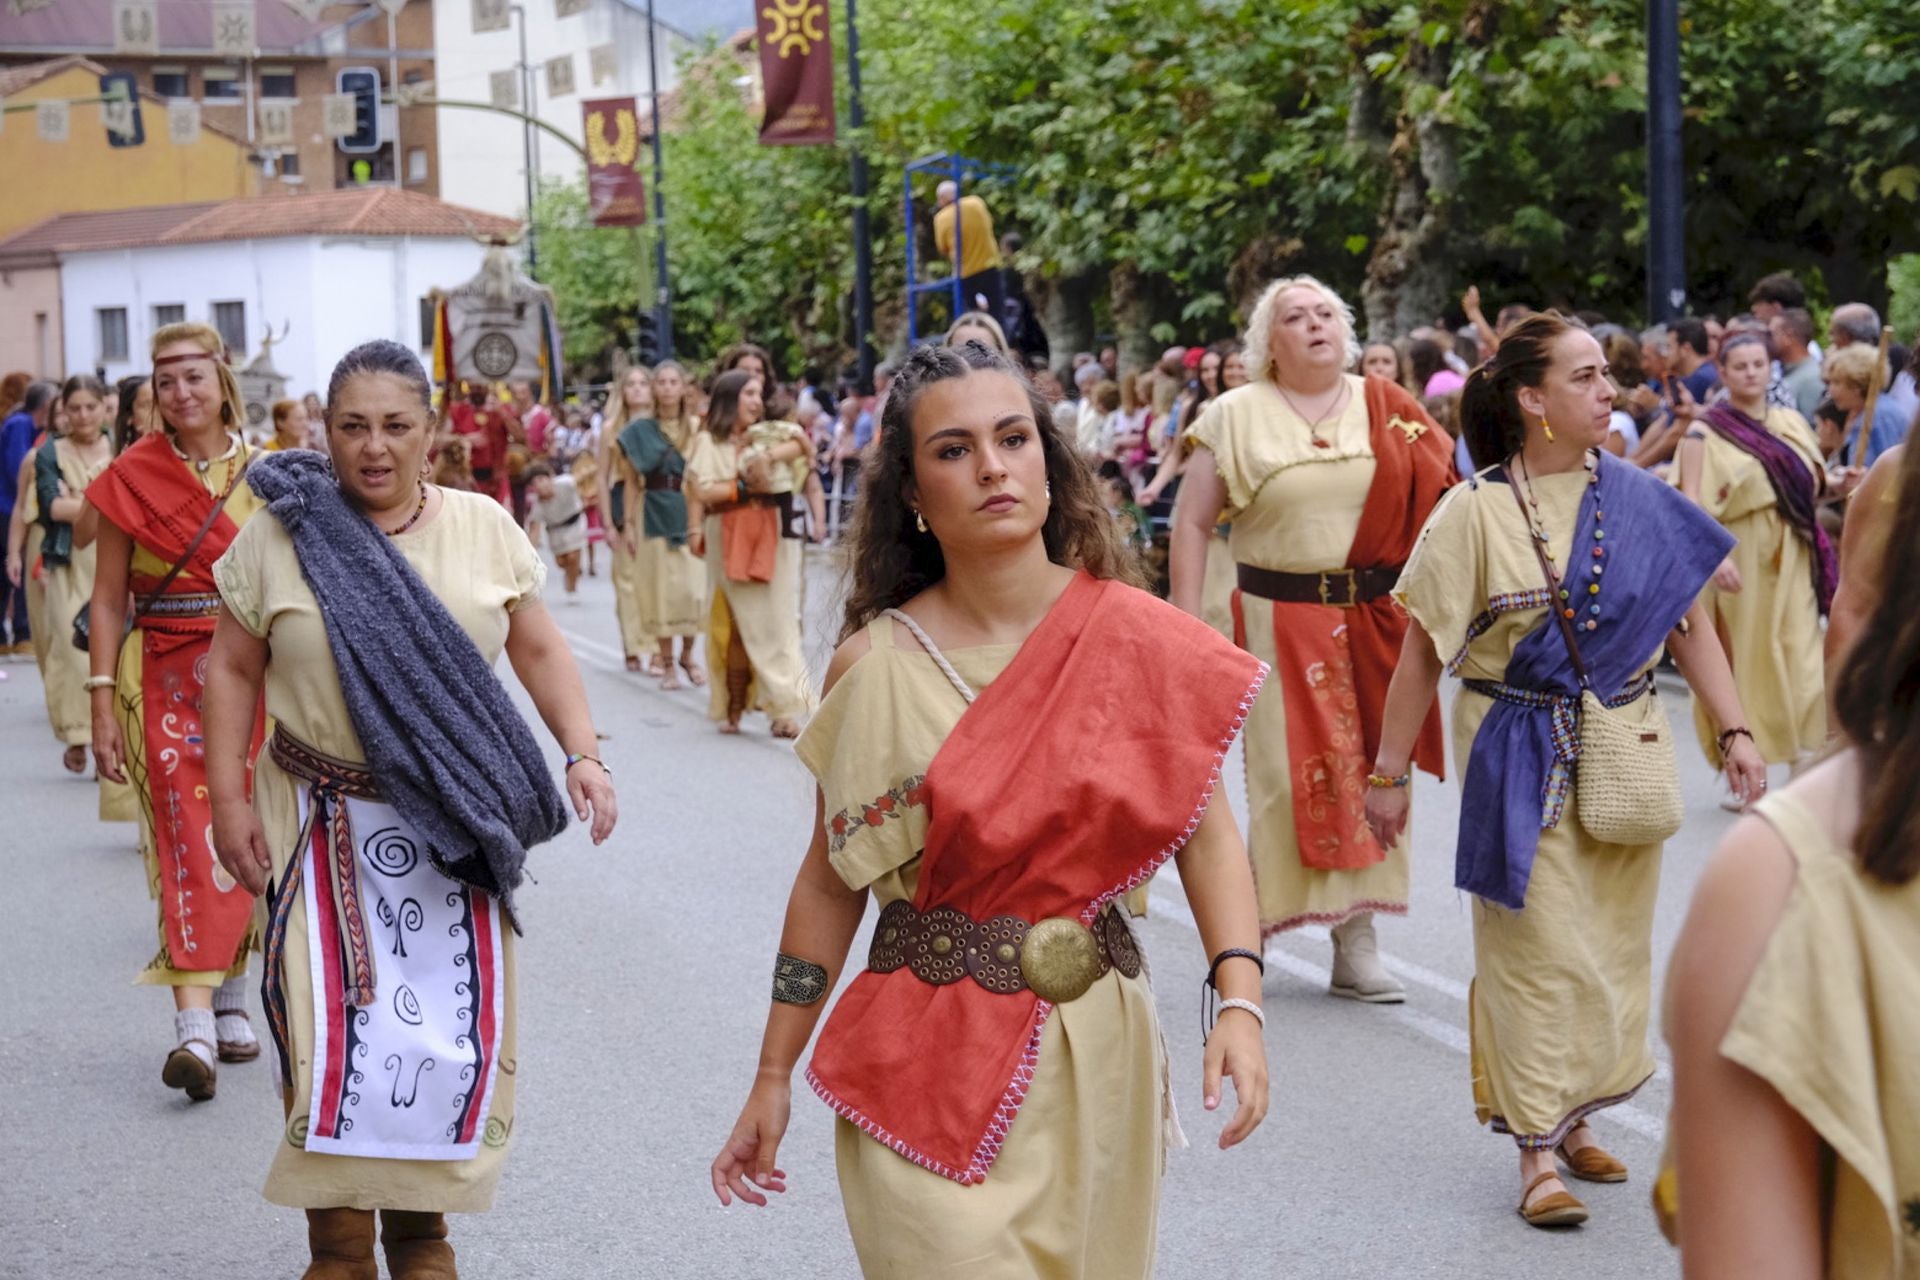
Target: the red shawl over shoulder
pixel 1082 768
pixel 1338 661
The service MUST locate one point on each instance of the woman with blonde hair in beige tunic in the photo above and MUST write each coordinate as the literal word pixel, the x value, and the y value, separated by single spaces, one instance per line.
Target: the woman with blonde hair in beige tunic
pixel 987 774
pixel 1549 582
pixel 619 498
pixel 670 580
pixel 1756 468
pixel 391 814
pixel 1793 998
pixel 1326 477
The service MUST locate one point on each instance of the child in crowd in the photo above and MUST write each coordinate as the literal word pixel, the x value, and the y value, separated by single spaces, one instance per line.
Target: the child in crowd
pixel 554 505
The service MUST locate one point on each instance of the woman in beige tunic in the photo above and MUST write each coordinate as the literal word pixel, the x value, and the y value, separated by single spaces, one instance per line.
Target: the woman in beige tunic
pixel 64 469
pixel 1563 958
pixel 1294 460
pixel 1767 598
pixel 478 564
pixel 1065 1184
pixel 1793 999
pixel 743 478
pixel 619 485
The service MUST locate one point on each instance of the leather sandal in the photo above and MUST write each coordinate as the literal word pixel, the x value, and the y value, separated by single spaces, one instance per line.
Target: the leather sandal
pixel 1559 1209
pixel 236 1050
pixel 187 1070
pixel 1592 1163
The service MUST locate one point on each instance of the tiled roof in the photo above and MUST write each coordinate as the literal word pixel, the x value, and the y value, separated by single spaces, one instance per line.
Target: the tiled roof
pixel 184 28
pixel 357 211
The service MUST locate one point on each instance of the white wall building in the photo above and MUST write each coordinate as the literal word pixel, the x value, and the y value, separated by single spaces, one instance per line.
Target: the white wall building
pixel 332 269
pixel 481 153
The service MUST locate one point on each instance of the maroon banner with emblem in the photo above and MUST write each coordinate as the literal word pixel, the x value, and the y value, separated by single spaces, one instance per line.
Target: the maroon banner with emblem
pixel 614 190
pixel 796 68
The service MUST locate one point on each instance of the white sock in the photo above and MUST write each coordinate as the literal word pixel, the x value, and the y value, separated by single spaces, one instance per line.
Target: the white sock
pixel 194 1029
pixel 230 1012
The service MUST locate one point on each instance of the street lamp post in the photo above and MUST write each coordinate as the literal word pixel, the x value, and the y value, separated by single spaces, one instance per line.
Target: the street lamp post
pixel 1666 171
pixel 862 232
pixel 526 137
pixel 663 290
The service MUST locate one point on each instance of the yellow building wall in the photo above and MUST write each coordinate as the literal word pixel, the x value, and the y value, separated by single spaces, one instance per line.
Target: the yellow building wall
pixel 85 173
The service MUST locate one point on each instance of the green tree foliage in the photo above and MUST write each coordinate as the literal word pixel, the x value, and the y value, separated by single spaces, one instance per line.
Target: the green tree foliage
pixel 1174 155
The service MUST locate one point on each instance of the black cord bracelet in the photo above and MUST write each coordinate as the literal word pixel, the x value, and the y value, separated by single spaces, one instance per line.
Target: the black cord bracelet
pixel 1210 993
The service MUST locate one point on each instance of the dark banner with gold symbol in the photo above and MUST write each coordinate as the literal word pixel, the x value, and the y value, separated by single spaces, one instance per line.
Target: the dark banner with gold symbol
pixel 796 66
pixel 614 190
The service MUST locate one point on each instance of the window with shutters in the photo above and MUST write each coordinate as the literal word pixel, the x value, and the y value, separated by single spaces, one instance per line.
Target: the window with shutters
pixel 230 320
pixel 111 323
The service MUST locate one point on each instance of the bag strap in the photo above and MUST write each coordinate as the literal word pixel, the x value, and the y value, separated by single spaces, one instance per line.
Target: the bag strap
pixel 140 605
pixel 1553 584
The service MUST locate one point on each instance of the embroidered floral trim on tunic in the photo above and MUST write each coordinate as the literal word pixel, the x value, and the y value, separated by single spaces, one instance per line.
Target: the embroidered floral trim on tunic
pixel 910 794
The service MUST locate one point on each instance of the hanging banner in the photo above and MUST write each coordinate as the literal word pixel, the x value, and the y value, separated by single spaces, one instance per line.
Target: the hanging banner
pixel 503 87
pixel 51 118
pixel 339 115
pixel 490 15
pixel 603 63
pixel 567 8
pixel 308 9
pixel 614 190
pixel 276 123
pixel 560 76
pixel 135 29
pixel 183 122
pixel 796 70
pixel 23 7
pixel 233 28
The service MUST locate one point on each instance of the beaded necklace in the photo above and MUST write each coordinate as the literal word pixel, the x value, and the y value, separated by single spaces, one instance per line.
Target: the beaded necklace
pixel 1563 593
pixel 418 510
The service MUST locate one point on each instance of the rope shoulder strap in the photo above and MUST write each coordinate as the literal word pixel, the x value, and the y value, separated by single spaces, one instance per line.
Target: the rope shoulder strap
pixel 933 651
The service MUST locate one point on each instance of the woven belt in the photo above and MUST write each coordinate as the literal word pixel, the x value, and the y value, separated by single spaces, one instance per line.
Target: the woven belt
pixel 184 606
pixel 659 481
pixel 324 771
pixel 1057 959
pixel 1565 708
pixel 1343 588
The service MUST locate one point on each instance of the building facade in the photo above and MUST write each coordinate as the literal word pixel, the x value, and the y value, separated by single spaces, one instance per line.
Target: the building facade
pixel 320 273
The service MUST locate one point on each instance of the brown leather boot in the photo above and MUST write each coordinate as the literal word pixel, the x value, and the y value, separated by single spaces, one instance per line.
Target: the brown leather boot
pixel 416 1245
pixel 341 1241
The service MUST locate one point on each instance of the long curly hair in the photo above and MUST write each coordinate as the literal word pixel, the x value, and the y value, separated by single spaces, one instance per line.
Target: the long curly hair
pixel 1877 699
pixel 892 561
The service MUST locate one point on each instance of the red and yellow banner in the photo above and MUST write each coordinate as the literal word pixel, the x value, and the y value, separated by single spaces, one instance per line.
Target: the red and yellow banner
pixel 796 68
pixel 614 190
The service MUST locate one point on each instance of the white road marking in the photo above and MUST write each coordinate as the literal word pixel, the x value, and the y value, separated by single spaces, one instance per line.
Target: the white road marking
pixel 1624 1114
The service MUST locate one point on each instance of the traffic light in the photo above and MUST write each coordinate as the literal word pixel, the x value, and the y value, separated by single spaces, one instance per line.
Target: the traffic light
pixel 647 346
pixel 122 116
pixel 364 84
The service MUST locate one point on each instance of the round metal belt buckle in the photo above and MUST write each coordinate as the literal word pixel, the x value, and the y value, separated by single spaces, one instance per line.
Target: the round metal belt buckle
pixel 1060 959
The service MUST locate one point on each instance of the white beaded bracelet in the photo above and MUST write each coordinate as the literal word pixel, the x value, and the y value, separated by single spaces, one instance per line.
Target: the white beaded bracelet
pixel 1252 1008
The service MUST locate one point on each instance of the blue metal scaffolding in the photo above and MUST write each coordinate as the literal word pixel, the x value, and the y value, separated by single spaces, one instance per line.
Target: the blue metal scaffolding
pixel 963 173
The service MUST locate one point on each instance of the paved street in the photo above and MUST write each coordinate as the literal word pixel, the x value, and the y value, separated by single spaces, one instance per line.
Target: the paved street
pixel 643 984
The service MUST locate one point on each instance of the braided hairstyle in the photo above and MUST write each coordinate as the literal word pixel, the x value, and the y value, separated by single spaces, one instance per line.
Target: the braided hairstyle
pixel 892 561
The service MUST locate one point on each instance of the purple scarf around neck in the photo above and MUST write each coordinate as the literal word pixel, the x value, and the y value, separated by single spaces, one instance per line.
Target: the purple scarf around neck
pixel 1793 491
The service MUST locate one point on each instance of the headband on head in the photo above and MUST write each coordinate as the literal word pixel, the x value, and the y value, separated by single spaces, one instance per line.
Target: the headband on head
pixel 196 355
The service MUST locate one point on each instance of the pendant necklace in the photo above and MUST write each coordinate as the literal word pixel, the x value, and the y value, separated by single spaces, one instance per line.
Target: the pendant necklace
pixel 1313 428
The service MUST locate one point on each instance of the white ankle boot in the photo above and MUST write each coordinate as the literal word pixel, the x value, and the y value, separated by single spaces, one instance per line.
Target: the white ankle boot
pixel 1357 971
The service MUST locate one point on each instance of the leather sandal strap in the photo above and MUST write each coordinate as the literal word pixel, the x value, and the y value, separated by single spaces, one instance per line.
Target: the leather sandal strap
pixel 1549 1176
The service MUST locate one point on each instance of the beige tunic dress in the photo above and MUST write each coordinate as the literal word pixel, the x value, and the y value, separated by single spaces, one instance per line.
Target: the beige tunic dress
pixel 479 564
pixel 1295 509
pixel 69 589
pixel 1075 1191
pixel 627 572
pixel 1561 988
pixel 766 614
pixel 671 581
pixel 1771 626
pixel 1831 1020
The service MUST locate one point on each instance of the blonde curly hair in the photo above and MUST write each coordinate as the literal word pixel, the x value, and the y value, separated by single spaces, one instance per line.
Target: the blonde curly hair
pixel 1259 335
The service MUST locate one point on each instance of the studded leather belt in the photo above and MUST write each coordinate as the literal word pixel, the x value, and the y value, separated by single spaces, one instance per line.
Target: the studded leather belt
pixel 1343 588
pixel 1057 959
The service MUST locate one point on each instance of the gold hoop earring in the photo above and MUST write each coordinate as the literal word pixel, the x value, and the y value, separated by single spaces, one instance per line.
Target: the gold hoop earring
pixel 1547 429
pixel 919 521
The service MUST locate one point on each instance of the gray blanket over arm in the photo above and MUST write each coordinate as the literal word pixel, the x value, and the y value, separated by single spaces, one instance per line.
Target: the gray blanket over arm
pixel 449 750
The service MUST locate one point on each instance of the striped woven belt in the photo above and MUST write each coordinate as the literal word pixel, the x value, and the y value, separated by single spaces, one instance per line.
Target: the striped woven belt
pixel 184 606
pixel 1566 729
pixel 329 781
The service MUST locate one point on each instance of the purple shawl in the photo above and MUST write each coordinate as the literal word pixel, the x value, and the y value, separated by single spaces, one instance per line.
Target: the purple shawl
pixel 1661 549
pixel 1793 491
